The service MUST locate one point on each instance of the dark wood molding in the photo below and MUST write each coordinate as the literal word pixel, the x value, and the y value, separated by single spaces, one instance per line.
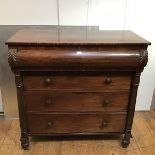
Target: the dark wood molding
pixel 131 108
pixel 24 133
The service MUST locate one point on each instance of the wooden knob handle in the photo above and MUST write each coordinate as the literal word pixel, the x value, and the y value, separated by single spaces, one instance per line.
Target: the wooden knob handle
pixel 106 102
pixel 48 102
pixel 49 124
pixel 47 80
pixel 108 80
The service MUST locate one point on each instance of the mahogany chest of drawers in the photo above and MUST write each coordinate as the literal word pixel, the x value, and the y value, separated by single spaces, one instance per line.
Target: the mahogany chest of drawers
pixel 76 82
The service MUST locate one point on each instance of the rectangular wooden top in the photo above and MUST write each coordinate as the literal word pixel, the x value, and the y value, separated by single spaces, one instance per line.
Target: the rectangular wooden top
pixel 43 37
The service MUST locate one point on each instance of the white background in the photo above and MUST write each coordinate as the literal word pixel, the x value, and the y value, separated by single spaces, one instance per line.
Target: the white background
pixel 136 15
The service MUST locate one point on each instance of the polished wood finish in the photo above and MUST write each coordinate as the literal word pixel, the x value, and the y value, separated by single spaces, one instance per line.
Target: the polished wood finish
pixel 75 123
pixel 75 101
pixel 76 82
pixel 104 83
pixel 72 58
pixel 74 37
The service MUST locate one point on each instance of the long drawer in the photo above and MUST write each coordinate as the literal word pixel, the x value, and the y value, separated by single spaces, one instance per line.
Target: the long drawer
pixel 75 101
pixel 75 123
pixel 106 82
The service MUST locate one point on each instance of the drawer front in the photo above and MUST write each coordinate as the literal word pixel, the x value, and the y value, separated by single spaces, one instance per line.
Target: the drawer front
pixel 75 101
pixel 93 58
pixel 92 83
pixel 75 123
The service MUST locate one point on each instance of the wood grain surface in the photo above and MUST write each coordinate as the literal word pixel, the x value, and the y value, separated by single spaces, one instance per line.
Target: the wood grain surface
pixel 75 123
pixel 77 58
pixel 69 37
pixel 48 101
pixel 106 82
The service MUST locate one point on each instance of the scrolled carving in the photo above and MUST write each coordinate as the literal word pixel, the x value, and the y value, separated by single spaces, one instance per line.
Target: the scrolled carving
pixel 137 79
pixel 24 140
pixel 12 57
pixel 143 59
pixel 126 139
pixel 18 80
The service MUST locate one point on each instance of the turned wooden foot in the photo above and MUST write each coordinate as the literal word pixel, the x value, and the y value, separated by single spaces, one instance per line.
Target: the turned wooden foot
pixel 126 139
pixel 24 141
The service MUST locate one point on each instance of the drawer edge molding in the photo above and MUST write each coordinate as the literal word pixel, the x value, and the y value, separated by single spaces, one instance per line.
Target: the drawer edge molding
pixel 77 113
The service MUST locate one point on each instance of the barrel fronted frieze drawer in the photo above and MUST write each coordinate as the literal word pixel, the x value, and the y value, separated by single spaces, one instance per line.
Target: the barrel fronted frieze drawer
pixel 90 59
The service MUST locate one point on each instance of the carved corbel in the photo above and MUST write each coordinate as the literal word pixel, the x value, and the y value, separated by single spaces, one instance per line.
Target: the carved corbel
pixel 12 57
pixel 18 80
pixel 143 59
